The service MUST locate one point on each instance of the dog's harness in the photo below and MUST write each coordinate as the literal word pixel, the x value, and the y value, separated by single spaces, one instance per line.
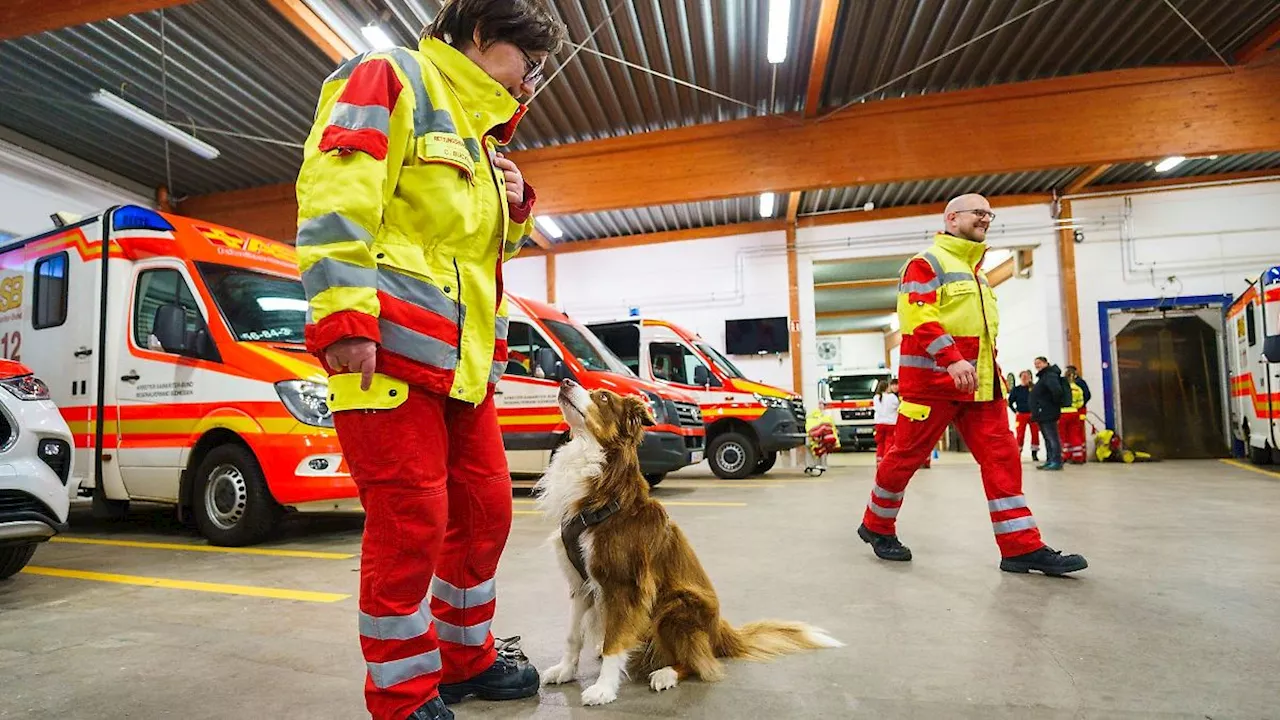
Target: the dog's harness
pixel 571 533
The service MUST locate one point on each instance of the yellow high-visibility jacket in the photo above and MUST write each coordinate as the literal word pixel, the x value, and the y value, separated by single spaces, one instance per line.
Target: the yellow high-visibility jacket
pixel 403 222
pixel 947 313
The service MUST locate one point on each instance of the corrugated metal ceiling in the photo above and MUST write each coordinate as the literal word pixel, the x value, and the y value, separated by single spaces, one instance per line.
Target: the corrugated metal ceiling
pixel 1139 172
pixel 929 191
pixel 658 218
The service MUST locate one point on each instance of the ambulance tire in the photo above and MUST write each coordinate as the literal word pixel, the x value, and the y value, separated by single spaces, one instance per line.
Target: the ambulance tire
pixel 766 463
pixel 15 557
pixel 654 478
pixel 732 456
pixel 232 504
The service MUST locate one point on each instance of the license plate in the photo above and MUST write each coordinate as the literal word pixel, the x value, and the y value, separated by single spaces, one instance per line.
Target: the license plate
pixel 695 458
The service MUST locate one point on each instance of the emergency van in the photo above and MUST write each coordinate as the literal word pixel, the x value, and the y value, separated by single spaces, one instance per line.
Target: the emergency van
pixel 1254 366
pixel 747 422
pixel 849 398
pixel 179 365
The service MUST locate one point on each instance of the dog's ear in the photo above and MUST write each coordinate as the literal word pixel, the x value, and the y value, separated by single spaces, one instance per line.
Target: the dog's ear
pixel 636 416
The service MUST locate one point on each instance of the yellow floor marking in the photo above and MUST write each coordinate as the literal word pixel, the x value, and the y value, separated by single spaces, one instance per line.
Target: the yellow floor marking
pixel 311 554
pixel 250 590
pixel 525 512
pixel 693 484
pixel 1251 468
pixel 679 503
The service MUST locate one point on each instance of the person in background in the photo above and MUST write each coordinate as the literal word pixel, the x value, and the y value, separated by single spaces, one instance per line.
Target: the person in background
pixel 1020 404
pixel 1074 417
pixel 886 409
pixel 1046 409
pixel 407 211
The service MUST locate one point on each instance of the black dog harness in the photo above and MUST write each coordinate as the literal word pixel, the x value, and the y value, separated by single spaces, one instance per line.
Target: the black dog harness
pixel 571 533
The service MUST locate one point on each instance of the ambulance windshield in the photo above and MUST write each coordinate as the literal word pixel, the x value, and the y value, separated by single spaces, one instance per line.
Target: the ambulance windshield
pixel 720 361
pixel 592 353
pixel 257 306
pixel 853 387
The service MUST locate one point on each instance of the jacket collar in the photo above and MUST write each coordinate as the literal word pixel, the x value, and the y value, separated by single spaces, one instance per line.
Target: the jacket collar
pixel 488 104
pixel 966 250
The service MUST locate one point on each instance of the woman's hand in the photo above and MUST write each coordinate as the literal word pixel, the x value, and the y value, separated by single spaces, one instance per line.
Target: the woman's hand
pixel 515 181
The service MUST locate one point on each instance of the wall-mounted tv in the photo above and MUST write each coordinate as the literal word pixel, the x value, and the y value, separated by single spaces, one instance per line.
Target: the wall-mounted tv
pixel 756 336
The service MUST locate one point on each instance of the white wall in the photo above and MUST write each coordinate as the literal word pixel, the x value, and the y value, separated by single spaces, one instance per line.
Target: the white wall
pixel 526 277
pixel 859 350
pixel 32 188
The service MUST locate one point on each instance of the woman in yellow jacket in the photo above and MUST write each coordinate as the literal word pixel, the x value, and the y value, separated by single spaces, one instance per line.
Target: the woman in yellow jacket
pixel 407 211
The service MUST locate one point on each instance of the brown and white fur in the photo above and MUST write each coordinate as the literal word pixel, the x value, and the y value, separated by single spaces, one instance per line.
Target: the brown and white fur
pixel 647 595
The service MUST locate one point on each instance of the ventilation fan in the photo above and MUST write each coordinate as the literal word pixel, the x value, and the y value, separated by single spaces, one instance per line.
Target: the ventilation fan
pixel 829 351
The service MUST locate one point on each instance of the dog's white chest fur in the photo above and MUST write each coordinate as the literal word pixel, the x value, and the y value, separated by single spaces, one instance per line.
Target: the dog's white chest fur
pixel 566 481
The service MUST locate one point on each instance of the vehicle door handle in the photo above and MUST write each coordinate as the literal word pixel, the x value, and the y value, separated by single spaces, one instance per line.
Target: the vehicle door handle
pixel 84 352
pixel 131 377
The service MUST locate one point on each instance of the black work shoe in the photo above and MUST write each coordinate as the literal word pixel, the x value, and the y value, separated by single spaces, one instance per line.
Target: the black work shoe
pixel 1035 456
pixel 433 709
pixel 1046 560
pixel 510 677
pixel 886 547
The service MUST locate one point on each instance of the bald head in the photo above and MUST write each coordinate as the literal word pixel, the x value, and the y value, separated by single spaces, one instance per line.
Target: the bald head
pixel 968 216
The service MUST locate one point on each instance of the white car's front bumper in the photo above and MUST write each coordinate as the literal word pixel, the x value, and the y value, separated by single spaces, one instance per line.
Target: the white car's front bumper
pixel 34 497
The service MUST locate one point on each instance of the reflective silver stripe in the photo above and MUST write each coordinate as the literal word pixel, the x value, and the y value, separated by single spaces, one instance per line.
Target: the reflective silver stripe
pixel 920 288
pixel 933 261
pixel 1014 525
pixel 473 147
pixel 942 341
pixel 883 511
pixel 417 292
pixel 919 362
pixel 474 596
pixel 1009 503
pixel 394 672
pixel 345 69
pixel 471 635
pixel 955 277
pixel 331 228
pixel 497 371
pixel 885 494
pixel 500 328
pixel 330 273
pixel 417 346
pixel 361 117
pixel 425 117
pixel 396 627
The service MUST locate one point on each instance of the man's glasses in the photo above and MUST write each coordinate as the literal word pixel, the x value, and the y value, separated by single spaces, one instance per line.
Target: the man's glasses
pixel 532 68
pixel 982 214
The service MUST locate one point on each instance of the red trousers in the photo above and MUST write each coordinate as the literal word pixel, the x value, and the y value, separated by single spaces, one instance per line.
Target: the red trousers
pixel 1071 428
pixel 884 439
pixel 1024 419
pixel 433 478
pixel 985 429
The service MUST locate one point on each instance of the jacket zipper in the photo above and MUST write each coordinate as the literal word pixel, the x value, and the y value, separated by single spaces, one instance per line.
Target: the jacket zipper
pixel 457 274
pixel 982 303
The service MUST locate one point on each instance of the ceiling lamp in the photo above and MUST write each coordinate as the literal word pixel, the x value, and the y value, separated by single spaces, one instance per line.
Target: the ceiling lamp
pixel 1170 163
pixel 768 201
pixel 156 125
pixel 779 28
pixel 549 226
pixel 377 37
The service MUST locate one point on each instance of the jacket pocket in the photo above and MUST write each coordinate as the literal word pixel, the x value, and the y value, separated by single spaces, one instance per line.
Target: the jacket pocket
pixel 447 149
pixel 914 411
pixel 384 393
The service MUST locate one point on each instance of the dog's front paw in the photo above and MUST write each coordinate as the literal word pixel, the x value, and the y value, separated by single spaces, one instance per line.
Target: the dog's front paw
pixel 559 674
pixel 599 694
pixel 663 679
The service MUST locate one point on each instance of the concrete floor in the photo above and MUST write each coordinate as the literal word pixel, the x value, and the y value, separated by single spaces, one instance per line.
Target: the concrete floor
pixel 1177 617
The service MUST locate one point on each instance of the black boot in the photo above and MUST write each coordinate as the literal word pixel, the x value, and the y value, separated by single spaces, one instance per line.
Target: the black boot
pixel 886 547
pixel 510 677
pixel 1046 560
pixel 433 709
pixel 1035 455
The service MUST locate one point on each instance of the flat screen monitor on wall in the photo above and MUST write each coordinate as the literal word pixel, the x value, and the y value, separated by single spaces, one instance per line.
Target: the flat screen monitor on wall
pixel 756 336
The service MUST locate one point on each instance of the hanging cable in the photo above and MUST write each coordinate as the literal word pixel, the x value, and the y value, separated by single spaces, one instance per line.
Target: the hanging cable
pixel 665 76
pixel 164 100
pixel 1196 30
pixel 574 54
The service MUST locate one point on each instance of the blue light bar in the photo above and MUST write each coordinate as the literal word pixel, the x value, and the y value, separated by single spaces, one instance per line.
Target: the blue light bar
pixel 132 217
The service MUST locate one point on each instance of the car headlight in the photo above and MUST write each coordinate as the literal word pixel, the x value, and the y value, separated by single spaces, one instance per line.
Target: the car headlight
pixel 771 402
pixel 306 401
pixel 26 387
pixel 655 405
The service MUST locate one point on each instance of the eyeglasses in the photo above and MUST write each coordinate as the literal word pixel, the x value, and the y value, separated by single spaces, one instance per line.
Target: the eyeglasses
pixel 987 214
pixel 532 68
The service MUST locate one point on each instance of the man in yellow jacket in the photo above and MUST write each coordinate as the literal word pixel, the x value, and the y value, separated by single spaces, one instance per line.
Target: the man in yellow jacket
pixel 948 372
pixel 407 211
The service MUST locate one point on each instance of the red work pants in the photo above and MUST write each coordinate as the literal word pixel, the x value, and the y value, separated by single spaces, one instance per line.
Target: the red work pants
pixel 884 439
pixel 985 429
pixel 433 478
pixel 1071 428
pixel 1024 419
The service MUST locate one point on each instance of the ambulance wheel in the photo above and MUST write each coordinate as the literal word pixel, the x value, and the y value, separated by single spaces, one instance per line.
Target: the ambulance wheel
pixel 654 478
pixel 15 557
pixel 766 463
pixel 232 504
pixel 732 456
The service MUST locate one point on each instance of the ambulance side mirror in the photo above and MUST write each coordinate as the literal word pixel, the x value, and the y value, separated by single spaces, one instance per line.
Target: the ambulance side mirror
pixel 170 328
pixel 701 376
pixel 552 368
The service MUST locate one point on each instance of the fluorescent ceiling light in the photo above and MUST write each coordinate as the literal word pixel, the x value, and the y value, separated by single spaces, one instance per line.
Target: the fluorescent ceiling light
pixel 779 28
pixel 377 37
pixel 154 124
pixel 549 226
pixel 1170 163
pixel 767 203
pixel 276 304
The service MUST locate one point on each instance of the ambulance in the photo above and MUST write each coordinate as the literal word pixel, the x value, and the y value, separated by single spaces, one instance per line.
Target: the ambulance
pixel 747 422
pixel 848 397
pixel 1253 362
pixel 179 366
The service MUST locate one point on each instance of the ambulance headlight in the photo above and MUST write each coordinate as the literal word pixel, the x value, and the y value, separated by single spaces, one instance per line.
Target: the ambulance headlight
pixel 26 387
pixel 656 406
pixel 772 402
pixel 306 401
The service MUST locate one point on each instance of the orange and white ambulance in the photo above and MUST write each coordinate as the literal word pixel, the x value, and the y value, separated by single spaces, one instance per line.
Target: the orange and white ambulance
pixel 849 398
pixel 179 366
pixel 747 422
pixel 1254 366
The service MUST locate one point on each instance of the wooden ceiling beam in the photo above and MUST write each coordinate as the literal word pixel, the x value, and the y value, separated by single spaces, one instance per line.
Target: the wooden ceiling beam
pixel 857 284
pixel 890 213
pixel 1258 45
pixel 667 236
pixel 1241 176
pixel 868 312
pixel 19 18
pixel 541 240
pixel 822 40
pixel 317 31
pixel 1087 177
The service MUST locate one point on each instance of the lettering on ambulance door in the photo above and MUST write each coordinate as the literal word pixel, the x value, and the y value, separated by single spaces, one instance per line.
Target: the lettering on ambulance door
pixel 528 406
pixel 158 385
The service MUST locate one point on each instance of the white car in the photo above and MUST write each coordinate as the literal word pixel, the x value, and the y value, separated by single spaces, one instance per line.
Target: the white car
pixel 35 465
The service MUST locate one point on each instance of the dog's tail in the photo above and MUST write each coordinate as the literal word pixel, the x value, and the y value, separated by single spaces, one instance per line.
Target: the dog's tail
pixel 770 638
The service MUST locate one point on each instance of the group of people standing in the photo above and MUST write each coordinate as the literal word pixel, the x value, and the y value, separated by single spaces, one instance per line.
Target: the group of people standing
pixel 1053 406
